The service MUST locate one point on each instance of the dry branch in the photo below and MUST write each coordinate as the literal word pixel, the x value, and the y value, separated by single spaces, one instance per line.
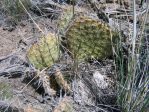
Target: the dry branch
pixel 62 82
pixel 49 8
pixel 101 15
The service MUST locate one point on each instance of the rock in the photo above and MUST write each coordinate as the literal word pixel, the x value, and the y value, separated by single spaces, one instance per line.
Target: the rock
pixel 82 93
pixel 100 80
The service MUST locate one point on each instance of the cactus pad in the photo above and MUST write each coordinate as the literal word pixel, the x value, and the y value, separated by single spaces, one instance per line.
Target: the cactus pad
pixel 45 52
pixel 89 38
pixel 65 18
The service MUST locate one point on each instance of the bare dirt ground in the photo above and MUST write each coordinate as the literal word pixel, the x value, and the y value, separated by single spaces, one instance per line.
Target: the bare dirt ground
pixel 8 42
pixel 25 31
pixel 19 38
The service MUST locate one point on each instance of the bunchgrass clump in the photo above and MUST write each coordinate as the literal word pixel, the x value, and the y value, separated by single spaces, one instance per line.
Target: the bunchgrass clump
pixel 16 8
pixel 133 73
pixel 5 91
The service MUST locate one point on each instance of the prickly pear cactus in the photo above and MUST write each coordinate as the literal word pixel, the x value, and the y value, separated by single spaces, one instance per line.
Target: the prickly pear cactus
pixel 45 52
pixel 65 18
pixel 88 38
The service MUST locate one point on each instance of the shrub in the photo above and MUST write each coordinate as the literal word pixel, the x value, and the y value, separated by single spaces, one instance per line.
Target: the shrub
pixel 16 8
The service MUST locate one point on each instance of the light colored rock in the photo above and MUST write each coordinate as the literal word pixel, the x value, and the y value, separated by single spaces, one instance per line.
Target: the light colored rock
pixel 100 80
pixel 82 94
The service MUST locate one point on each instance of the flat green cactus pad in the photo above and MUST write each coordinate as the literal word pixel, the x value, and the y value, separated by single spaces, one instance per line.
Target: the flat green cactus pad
pixel 88 38
pixel 67 15
pixel 65 18
pixel 45 52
